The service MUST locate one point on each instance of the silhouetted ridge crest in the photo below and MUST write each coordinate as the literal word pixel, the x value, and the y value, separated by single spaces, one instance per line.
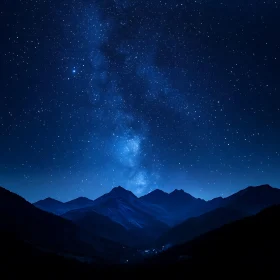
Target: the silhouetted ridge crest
pixel 255 191
pixel 6 197
pixel 50 199
pixel 178 191
pixel 122 192
pixel 180 194
pixel 158 191
pixel 80 199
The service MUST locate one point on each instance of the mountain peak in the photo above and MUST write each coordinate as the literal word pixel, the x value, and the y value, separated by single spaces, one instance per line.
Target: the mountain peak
pixel 47 203
pixel 120 191
pixel 178 191
pixel 50 199
pixel 157 192
pixel 180 194
pixel 80 199
pixel 119 188
pixel 264 187
pixel 155 196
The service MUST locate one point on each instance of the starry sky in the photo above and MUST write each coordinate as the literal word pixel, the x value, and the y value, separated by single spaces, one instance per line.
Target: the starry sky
pixel 143 94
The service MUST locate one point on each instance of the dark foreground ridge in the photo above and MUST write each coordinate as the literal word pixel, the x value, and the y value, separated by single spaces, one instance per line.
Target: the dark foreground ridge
pixel 252 240
pixel 250 245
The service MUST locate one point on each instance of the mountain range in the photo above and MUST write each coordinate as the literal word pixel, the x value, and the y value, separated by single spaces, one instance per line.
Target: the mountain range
pixel 159 219
pixel 120 227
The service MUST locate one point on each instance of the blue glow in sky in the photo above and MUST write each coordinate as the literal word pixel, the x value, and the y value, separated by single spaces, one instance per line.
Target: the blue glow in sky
pixel 142 94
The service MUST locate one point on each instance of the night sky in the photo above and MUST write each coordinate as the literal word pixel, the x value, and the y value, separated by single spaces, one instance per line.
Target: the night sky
pixel 143 94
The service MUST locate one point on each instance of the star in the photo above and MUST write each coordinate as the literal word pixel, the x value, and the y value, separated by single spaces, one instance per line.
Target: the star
pixel 140 94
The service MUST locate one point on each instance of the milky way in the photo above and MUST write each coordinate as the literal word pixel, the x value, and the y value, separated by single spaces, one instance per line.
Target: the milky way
pixel 143 94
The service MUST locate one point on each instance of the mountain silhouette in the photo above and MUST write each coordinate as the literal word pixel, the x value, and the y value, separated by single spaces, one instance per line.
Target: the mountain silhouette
pixel 105 231
pixel 52 206
pixel 160 217
pixel 248 245
pixel 80 202
pixel 253 199
pixel 156 197
pixel 196 226
pixel 252 240
pixel 21 258
pixel 100 225
pixel 122 192
pixel 241 204
pixel 178 204
pixel 49 231
pixel 123 207
pixel 57 207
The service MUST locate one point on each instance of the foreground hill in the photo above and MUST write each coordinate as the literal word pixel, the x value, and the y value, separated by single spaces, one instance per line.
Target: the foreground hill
pixel 250 245
pixel 20 258
pixel 52 232
pixel 251 240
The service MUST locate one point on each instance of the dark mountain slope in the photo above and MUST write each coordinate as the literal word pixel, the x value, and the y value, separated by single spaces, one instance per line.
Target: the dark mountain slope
pixel 80 202
pixel 178 204
pixel 196 226
pixel 120 216
pixel 181 205
pixel 123 207
pixel 50 231
pixel 253 199
pixel 52 206
pixel 100 225
pixel 20 258
pixel 252 240
pixel 241 204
